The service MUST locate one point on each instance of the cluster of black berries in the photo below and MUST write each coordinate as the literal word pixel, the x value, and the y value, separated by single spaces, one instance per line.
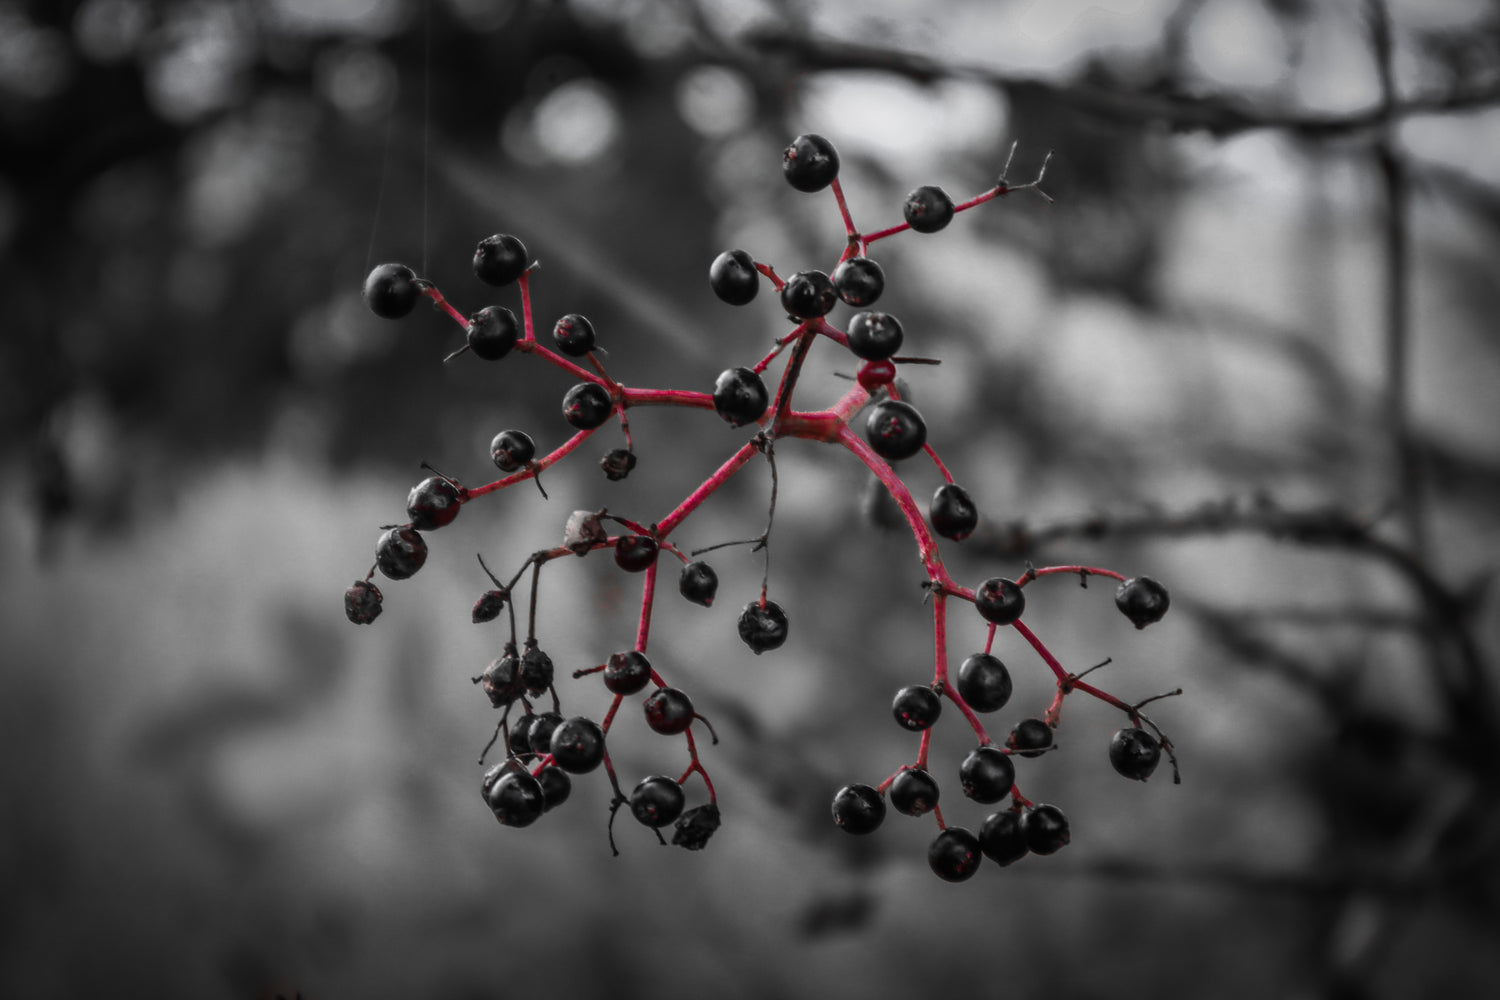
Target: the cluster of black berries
pixel 544 749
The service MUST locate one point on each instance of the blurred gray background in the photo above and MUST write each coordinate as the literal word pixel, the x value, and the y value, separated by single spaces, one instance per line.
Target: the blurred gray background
pixel 1250 351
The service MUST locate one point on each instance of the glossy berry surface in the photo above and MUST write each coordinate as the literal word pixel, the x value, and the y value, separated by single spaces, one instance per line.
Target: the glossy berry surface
pixel 1045 828
pixel 987 774
pixel 916 707
pixel 1134 753
pixel 1030 737
pixel 536 670
pixel 433 503
pixel 810 163
pixel 952 512
pixel 488 607
pixel 578 745
pixel 587 405
pixel 391 290
pixel 954 854
pixel 628 672
pixel 400 553
pixel 984 682
pixel 740 396
pixel 539 731
pixel 1000 600
pixel 492 332
pixel 516 798
pixel 858 281
pixel 362 602
pixel 1002 839
pixel 733 277
pixel 519 742
pixel 617 464
pixel 895 430
pixel 858 808
pixel 928 209
pixel 499 259
pixel 913 792
pixel 574 335
pixel 874 336
pixel 634 553
pixel 763 628
pixel 808 295
pixel 657 801
pixel 556 786
pixel 669 711
pixel 512 449
pixel 1142 600
pixel 698 583
pixel 501 680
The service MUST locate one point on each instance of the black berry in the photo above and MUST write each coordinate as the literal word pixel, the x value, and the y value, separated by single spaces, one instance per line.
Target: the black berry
pixel 763 628
pixel 539 731
pixel 895 429
pixel 573 335
pixel 984 682
pixel 914 792
pixel 634 553
pixel 669 711
pixel 578 745
pixel 536 669
pixel 858 809
pixel 433 503
pixel 916 707
pixel 1030 738
pixel 1001 838
pixel 999 600
pixel 617 464
pixel 556 787
pixel 733 277
pixel 587 405
pixel 695 826
pixel 516 798
pixel 928 209
pixel 953 512
pixel 492 332
pixel 1143 600
pixel 987 774
pixel 489 606
pixel 499 259
pixel 628 672
pixel 391 290
pixel 698 583
pixel 810 163
pixel 1134 753
pixel 400 553
pixel 510 450
pixel 954 854
pixel 874 336
pixel 519 741
pixel 362 602
pixel 859 281
pixel 501 680
pixel 808 295
pixel 1045 828
pixel 657 801
pixel 740 396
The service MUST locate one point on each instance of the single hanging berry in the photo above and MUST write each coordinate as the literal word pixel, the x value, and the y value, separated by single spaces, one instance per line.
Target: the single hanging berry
pixel 895 429
pixel 858 809
pixel 1002 839
pixel 763 628
pixel 628 672
pixel 617 464
pixel 362 602
pixel 492 332
pixel 669 711
pixel 740 396
pixel 635 553
pixel 859 281
pixel 733 277
pixel 536 669
pixel 916 707
pixel 391 290
pixel 587 405
pixel 657 801
pixel 928 209
pixel 1030 738
pixel 914 792
pixel 1142 600
pixel 1045 828
pixel 578 745
pixel 499 259
pixel 574 335
pixel 952 512
pixel 1134 753
pixel 808 295
pixel 984 682
pixel 400 552
pixel 510 450
pixel 433 503
pixel 501 680
pixel 516 798
pixel 874 336
pixel 954 854
pixel 987 774
pixel 810 163
pixel 698 583
pixel 1000 600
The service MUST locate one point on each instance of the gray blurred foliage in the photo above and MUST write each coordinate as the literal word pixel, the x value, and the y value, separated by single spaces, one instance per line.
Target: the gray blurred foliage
pixel 1249 350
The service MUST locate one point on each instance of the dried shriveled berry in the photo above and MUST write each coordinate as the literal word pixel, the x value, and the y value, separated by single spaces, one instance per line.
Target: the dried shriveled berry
pixel 1000 600
pixel 492 332
pixel 858 808
pixel 362 602
pixel 695 826
pixel 954 854
pixel 810 163
pixel 733 277
pixel 400 553
pixel 556 786
pixel 536 669
pixel 916 707
pixel 657 801
pixel 391 290
pixel 499 259
pixel 433 503
pixel 501 680
pixel 763 628
pixel 617 464
pixel 1142 600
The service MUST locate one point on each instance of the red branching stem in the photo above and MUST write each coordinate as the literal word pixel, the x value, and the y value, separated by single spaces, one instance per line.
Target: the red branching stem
pixel 923 747
pixel 431 291
pixel 926 545
pixel 942 469
pixel 609 717
pixel 979 199
pixel 706 489
pixel 525 282
pixel 838 194
pixel 989 639
pixel 1083 571
pixel 1064 678
pixel 532 469
pixel 668 397
pixel 648 598
pixel 940 670
pixel 783 402
pixel 697 765
pixel 530 346
pixel 781 345
pixel 937 812
pixel 770 272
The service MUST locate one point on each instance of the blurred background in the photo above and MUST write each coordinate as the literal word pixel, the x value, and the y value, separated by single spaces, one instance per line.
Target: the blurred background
pixel 1250 350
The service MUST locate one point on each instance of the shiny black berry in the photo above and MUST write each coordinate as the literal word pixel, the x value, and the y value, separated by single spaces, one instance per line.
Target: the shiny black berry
pixel 1001 838
pixel 556 787
pixel 628 672
pixel 617 464
pixel 913 792
pixel 858 808
pixel 536 669
pixel 987 774
pixel 698 583
pixel 740 396
pixel 954 854
pixel 928 209
pixel 391 290
pixel 874 336
pixel 953 512
pixel 587 405
pixel 492 332
pixel 669 711
pixel 634 553
pixel 516 798
pixel 520 739
pixel 1134 753
pixel 1143 600
pixel 984 682
pixel 510 450
pixel 810 163
pixel 1000 600
pixel 400 552
pixel 501 680
pixel 859 281
pixel 657 801
pixel 763 628
pixel 433 503
pixel 539 731
pixel 895 429
pixel 362 602
pixel 916 707
pixel 808 295
pixel 574 335
pixel 578 745
pixel 733 277
pixel 499 259
pixel 489 606
pixel 1030 737
pixel 1045 828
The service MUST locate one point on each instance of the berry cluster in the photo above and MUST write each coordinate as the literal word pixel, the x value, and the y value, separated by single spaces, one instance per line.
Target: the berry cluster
pixel 544 749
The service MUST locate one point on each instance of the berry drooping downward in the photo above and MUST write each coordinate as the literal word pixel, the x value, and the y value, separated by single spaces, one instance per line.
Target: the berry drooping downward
pixel 536 669
pixel 617 464
pixel 511 449
pixel 1134 753
pixel 987 774
pixel 501 680
pixel 810 163
pixel 953 512
pixel 874 375
pixel 628 672
pixel 858 808
pixel 763 628
pixel 1000 600
pixel 914 792
pixel 499 259
pixel 895 429
pixel 587 405
pixel 698 583
pixel 1142 600
pixel 1030 738
pixel 669 711
pixel 400 553
pixel 1002 839
pixel 578 745
pixel 489 606
pixel 954 854
pixel 874 336
pixel 916 707
pixel 391 290
pixel 808 295
pixel 859 281
pixel 516 798
pixel 634 553
pixel 984 682
pixel 733 277
pixel 492 332
pixel 928 209
pixel 433 503
pixel 574 335
pixel 657 801
pixel 1045 828
pixel 539 731
pixel 740 396
pixel 556 787
pixel 362 602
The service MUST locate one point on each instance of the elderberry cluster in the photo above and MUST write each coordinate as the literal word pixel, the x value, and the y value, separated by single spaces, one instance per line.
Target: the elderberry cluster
pixel 545 749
